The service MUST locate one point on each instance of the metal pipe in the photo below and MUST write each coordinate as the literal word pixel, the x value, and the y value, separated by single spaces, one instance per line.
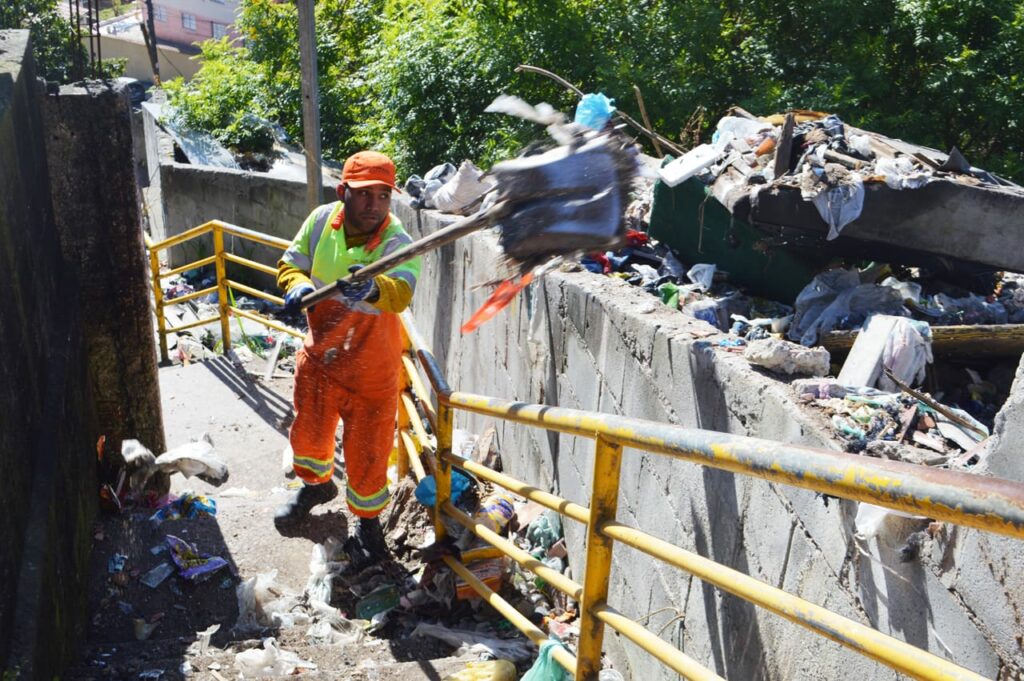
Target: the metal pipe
pixel 671 656
pixel 414 460
pixel 184 236
pixel 190 296
pixel 266 322
pixel 420 391
pixel 553 577
pixel 414 420
pixel 193 324
pixel 546 499
pixel 987 503
pixel 252 235
pixel 604 503
pixel 255 292
pixel 191 266
pixel 561 655
pixel 892 652
pixel 260 267
pixel 223 304
pixel 442 471
pixel 158 303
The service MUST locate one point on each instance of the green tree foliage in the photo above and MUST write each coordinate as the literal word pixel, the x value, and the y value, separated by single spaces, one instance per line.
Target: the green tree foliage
pixel 56 50
pixel 412 77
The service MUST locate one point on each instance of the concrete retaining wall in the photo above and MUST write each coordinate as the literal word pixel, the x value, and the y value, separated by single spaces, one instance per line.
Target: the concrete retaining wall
pixel 583 341
pixel 47 422
pixel 181 196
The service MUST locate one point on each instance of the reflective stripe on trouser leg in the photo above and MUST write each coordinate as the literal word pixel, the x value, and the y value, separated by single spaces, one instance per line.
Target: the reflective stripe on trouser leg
pixel 368 507
pixel 369 434
pixel 316 420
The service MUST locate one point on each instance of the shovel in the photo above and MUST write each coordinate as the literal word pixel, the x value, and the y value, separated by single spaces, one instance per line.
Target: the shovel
pixel 566 200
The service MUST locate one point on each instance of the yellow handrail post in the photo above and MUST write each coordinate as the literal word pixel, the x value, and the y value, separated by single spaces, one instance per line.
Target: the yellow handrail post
pixel 222 288
pixel 158 303
pixel 603 506
pixel 402 426
pixel 443 469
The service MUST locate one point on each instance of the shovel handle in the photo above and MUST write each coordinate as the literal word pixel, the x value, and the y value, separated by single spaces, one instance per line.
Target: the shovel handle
pixel 441 237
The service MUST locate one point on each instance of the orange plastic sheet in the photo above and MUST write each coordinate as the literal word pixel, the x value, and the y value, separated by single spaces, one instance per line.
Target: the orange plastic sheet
pixel 497 301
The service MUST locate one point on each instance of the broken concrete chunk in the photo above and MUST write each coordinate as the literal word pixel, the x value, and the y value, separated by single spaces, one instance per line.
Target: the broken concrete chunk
pixel 787 358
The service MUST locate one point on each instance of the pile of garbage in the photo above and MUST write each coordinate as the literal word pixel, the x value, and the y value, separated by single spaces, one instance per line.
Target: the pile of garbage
pixel 826 161
pixel 897 425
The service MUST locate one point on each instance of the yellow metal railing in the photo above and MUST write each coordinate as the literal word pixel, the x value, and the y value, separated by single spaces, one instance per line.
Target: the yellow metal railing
pixel 985 503
pixel 425 426
pixel 219 259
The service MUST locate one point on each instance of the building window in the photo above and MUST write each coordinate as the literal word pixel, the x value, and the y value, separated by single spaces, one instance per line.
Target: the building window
pixel 188 21
pixel 159 13
pixel 219 30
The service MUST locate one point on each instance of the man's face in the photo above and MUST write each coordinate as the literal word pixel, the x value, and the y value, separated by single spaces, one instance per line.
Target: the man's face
pixel 366 207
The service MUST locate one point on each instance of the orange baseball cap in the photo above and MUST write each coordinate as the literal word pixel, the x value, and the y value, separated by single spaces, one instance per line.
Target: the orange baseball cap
pixel 367 168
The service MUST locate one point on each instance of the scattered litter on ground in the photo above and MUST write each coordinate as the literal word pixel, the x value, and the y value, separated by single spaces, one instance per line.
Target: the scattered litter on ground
pixel 515 650
pixel 191 564
pixel 188 505
pixel 269 661
pixel 157 575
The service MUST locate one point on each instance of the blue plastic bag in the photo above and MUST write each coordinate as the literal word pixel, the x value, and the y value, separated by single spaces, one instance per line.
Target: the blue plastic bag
pixel 426 491
pixel 594 110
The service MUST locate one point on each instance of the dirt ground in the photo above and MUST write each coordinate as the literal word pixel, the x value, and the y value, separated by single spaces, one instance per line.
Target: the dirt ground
pixel 247 420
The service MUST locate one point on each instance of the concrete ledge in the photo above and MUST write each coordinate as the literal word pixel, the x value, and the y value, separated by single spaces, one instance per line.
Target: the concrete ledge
pixel 582 341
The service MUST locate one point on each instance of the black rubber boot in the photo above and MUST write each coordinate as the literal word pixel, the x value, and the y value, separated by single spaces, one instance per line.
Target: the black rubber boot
pixel 367 546
pixel 297 509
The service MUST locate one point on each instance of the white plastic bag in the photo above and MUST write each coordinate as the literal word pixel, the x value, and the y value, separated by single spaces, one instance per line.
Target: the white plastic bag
pixel 907 352
pixel 703 275
pixel 462 190
pixel 270 661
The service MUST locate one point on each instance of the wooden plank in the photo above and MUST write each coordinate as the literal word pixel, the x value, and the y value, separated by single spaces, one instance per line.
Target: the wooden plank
pixel 785 148
pixel 988 340
pixel 864 364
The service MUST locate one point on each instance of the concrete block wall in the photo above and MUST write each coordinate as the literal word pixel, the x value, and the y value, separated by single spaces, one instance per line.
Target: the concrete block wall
pixel 583 341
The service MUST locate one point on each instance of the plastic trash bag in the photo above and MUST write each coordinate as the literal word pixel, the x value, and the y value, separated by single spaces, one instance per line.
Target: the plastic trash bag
pixel 840 205
pixel 907 353
pixel 269 661
pixel 546 668
pixel 195 458
pixel 463 190
pixel 900 173
pixel 426 491
pixel 703 275
pixel 835 299
pixel 594 110
pixel 545 530
pixel 326 561
pixel 263 603
pixel 870 519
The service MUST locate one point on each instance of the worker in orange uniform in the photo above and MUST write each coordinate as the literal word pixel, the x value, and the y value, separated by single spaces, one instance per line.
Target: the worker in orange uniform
pixel 349 364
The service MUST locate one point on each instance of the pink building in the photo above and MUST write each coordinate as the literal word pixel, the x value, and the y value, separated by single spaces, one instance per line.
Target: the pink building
pixel 183 22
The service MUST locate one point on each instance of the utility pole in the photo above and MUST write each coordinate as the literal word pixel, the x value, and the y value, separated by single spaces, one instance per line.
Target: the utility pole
pixel 149 34
pixel 310 101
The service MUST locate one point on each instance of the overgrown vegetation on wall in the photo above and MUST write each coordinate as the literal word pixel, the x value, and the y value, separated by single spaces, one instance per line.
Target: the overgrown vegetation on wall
pixel 412 77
